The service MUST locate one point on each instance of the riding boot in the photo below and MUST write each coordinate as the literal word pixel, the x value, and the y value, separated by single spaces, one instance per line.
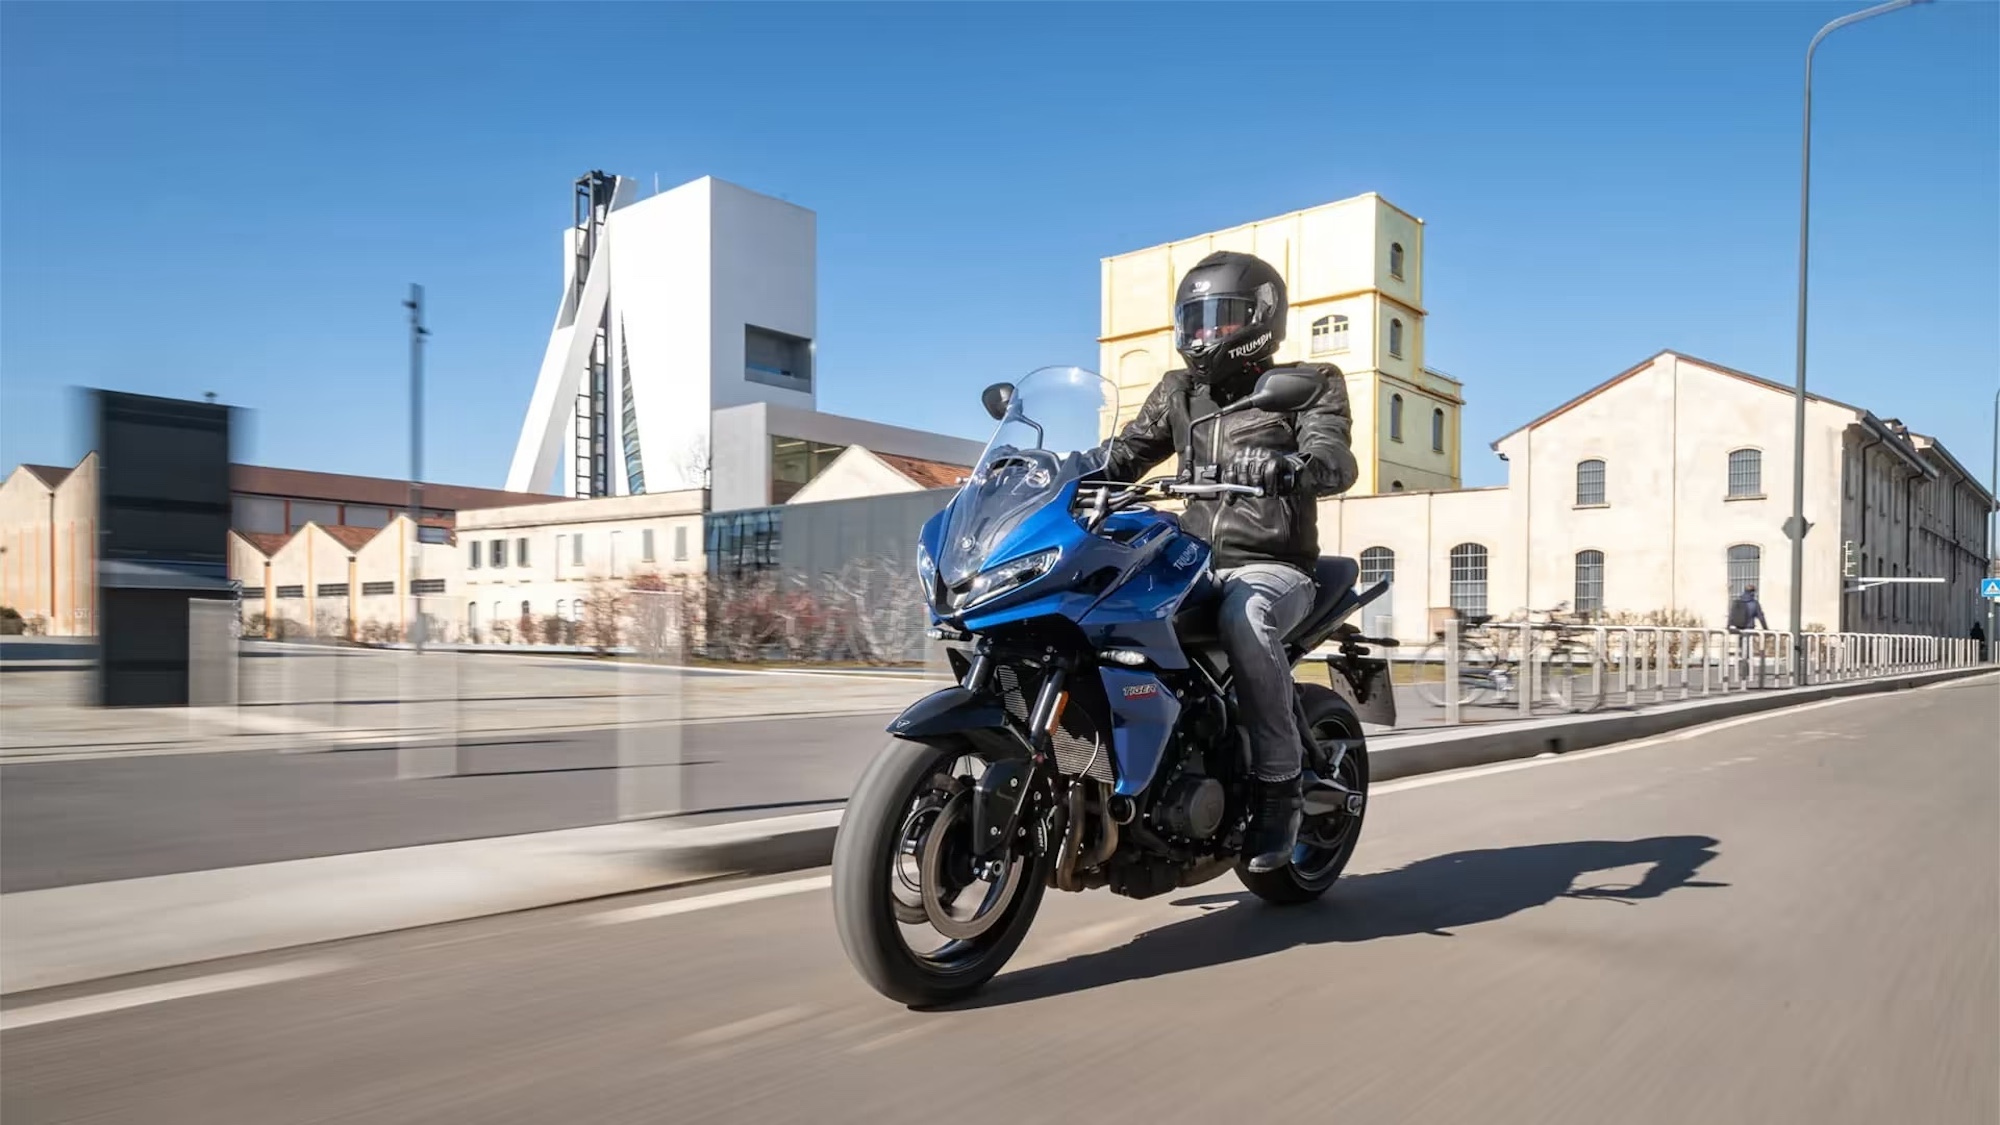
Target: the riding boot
pixel 1274 825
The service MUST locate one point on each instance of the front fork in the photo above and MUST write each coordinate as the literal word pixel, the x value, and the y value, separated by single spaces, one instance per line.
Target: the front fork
pixel 1003 790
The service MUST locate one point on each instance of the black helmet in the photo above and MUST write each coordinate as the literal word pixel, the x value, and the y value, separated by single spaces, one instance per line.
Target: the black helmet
pixel 1229 314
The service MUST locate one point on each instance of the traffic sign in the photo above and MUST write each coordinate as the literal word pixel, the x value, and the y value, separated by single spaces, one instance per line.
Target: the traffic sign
pixel 1989 588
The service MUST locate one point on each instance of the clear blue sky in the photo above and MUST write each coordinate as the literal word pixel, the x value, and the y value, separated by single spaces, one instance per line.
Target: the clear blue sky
pixel 232 198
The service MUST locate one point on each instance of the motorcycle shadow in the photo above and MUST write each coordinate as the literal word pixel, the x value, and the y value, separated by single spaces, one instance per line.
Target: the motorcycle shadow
pixel 1433 896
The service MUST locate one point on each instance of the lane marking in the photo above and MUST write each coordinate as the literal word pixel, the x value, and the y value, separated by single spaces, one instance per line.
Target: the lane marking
pixel 881 1041
pixel 1960 682
pixel 1602 751
pixel 13 1018
pixel 709 902
pixel 723 1033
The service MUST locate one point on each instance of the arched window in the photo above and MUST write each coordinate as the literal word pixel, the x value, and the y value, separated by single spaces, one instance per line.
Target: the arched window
pixel 1329 334
pixel 1746 472
pixel 1589 482
pixel 472 622
pixel 1378 564
pixel 1396 338
pixel 1395 417
pixel 1745 560
pixel 1590 582
pixel 1396 260
pixel 1437 431
pixel 562 610
pixel 1468 579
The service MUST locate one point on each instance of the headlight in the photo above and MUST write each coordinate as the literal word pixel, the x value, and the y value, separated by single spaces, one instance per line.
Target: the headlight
pixel 998 580
pixel 927 574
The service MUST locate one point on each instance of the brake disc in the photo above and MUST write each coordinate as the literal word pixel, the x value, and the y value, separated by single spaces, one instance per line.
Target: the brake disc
pixel 938 896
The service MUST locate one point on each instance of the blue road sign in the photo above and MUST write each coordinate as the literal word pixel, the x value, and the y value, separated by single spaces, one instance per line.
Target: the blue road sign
pixel 1989 587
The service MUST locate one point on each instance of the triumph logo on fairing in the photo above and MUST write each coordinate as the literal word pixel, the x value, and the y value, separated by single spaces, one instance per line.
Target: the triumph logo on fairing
pixel 1187 556
pixel 1141 691
pixel 1250 348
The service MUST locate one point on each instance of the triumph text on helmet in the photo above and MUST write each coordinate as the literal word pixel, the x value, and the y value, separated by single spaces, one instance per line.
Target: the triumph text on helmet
pixel 1229 316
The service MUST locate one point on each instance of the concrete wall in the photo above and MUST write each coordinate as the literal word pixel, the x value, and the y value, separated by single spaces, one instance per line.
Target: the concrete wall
pixel 743 447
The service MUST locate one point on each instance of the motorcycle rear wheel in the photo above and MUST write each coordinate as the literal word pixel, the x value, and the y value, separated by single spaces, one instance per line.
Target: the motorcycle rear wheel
pixel 1327 842
pixel 871 891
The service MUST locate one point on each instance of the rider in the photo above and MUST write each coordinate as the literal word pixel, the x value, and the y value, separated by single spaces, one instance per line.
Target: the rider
pixel 1229 317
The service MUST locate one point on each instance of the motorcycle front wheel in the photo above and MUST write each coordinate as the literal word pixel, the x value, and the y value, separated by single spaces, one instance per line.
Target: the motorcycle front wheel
pixel 922 919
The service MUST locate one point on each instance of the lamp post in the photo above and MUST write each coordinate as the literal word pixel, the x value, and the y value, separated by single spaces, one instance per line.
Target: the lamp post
pixel 417 333
pixel 1992 498
pixel 1795 527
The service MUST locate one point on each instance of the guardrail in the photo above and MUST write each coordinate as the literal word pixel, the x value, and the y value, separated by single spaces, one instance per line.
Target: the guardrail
pixel 1539 668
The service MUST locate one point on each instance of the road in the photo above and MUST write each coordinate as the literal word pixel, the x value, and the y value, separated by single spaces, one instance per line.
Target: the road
pixel 1786 918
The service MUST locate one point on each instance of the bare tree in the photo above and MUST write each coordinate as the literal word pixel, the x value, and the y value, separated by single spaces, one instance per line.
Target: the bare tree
pixel 603 605
pixel 881 606
pixel 694 464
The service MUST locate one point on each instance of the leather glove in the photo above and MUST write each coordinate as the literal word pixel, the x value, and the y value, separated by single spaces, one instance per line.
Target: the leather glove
pixel 1276 473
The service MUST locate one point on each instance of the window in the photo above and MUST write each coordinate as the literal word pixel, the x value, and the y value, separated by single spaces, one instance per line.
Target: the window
pixel 1378 564
pixel 496 553
pixel 291 591
pixel 1396 338
pixel 1744 562
pixel 562 610
pixel 1437 431
pixel 259 513
pixel 331 590
pixel 365 515
pixel 472 621
pixel 740 541
pixel 473 562
pixel 1396 260
pixel 777 360
pixel 1395 486
pixel 434 535
pixel 646 545
pixel 1329 334
pixel 1468 579
pixel 527 617
pixel 1395 417
pixel 1746 473
pixel 576 549
pixel 376 589
pixel 427 586
pixel 1589 582
pixel 680 544
pixel 795 461
pixel 521 552
pixel 616 536
pixel 1589 483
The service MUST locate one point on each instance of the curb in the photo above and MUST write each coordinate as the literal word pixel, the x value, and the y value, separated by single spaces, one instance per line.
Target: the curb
pixel 67 935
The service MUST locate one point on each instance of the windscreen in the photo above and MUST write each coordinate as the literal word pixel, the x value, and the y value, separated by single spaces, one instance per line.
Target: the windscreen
pixel 1051 435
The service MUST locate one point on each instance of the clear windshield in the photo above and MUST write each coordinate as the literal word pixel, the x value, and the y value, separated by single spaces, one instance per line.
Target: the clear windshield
pixel 1051 435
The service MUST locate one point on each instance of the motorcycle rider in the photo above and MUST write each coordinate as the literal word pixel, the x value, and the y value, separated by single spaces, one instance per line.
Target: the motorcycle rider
pixel 1229 318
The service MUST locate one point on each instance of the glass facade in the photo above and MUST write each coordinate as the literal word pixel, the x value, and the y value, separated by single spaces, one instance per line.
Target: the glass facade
pixel 795 461
pixel 740 542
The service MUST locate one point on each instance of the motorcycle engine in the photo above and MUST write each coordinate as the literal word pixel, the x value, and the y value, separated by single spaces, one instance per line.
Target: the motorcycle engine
pixel 1193 807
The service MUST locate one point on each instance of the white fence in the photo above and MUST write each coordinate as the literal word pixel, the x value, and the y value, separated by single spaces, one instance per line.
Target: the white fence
pixel 1532 668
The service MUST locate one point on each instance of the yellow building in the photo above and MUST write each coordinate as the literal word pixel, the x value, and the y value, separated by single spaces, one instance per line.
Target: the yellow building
pixel 1354 271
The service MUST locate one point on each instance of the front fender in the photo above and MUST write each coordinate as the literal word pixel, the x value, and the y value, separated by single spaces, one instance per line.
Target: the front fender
pixel 956 711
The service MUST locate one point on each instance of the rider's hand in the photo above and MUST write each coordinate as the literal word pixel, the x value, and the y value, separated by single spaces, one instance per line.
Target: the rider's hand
pixel 1268 469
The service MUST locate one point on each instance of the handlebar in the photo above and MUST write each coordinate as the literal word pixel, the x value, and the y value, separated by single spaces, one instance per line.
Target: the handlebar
pixel 1214 490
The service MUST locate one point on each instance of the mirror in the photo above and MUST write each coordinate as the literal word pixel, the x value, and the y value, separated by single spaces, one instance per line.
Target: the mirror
pixel 1285 390
pixel 997 398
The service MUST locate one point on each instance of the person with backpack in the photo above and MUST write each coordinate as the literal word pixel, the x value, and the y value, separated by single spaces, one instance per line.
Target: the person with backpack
pixel 1743 610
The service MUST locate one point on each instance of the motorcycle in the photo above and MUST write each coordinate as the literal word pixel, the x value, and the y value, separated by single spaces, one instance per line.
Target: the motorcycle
pixel 1092 738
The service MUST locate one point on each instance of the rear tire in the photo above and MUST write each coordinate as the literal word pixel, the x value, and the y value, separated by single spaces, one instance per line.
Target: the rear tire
pixel 865 906
pixel 1314 868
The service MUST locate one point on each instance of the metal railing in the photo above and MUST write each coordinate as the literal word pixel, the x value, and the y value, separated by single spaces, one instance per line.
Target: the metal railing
pixel 1518 669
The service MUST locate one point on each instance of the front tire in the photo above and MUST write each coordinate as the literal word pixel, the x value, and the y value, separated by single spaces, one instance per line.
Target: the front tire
pixel 867 911
pixel 1326 842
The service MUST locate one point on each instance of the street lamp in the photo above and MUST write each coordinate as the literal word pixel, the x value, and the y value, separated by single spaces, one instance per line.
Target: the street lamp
pixel 1795 528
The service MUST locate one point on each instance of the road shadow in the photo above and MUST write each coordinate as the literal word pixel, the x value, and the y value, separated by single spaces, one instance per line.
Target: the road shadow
pixel 1437 896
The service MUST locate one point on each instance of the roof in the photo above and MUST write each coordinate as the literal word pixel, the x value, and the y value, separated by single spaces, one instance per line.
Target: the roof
pixel 928 474
pixel 51 475
pixel 269 542
pixel 1643 364
pixel 383 491
pixel 352 538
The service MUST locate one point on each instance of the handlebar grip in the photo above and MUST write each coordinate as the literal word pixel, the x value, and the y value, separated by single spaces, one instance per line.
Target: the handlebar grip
pixel 1214 489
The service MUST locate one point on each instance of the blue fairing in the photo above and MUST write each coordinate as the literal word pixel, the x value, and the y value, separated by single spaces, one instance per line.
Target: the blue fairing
pixel 1122 586
pixel 1143 713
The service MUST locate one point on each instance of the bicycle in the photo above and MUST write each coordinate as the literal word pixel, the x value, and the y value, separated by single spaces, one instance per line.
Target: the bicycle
pixel 1480 668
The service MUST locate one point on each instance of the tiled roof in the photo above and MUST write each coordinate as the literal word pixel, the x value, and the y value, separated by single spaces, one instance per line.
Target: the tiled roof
pixel 928 474
pixel 382 491
pixel 353 538
pixel 51 475
pixel 266 541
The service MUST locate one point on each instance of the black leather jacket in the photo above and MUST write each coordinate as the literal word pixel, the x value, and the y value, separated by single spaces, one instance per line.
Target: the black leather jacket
pixel 1245 529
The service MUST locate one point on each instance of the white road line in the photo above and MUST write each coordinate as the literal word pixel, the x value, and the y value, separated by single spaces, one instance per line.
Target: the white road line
pixel 707 902
pixel 13 1018
pixel 1960 682
pixel 723 1033
pixel 1620 748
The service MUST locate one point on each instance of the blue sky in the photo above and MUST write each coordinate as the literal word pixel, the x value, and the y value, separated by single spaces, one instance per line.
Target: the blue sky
pixel 233 198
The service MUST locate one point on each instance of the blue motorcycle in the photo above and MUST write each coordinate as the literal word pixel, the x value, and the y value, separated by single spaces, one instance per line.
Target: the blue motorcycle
pixel 1092 739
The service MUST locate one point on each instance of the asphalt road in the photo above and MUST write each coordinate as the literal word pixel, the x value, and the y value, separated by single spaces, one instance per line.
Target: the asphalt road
pixel 1790 918
pixel 86 821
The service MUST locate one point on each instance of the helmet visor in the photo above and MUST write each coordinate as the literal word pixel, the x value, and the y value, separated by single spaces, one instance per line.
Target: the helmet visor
pixel 1206 320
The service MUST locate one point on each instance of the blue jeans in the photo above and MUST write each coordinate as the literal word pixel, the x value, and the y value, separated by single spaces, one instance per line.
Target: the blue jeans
pixel 1261 602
